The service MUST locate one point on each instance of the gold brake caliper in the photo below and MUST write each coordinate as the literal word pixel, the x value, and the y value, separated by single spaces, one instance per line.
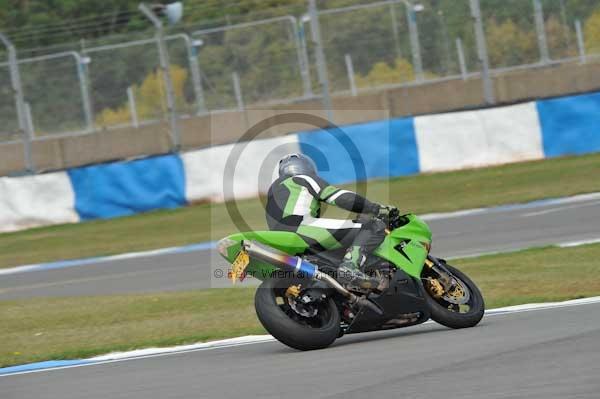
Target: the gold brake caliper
pixel 435 288
pixel 293 291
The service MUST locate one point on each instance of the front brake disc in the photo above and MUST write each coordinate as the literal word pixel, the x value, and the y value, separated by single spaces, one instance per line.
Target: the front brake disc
pixel 458 294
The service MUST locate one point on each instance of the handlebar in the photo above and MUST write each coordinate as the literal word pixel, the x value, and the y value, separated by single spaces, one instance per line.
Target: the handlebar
pixel 395 219
pixel 392 221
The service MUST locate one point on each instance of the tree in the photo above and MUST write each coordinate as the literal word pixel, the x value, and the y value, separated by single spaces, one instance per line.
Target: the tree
pixel 592 33
pixel 150 99
pixel 508 45
pixel 560 39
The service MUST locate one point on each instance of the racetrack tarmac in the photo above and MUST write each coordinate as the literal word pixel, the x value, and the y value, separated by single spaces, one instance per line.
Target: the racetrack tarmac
pixel 496 230
pixel 542 354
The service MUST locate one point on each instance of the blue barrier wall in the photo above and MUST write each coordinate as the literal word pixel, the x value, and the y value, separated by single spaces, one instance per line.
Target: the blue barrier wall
pixel 363 151
pixel 126 188
pixel 379 149
pixel 570 125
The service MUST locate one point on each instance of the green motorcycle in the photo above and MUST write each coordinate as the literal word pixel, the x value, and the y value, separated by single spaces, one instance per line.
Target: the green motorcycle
pixel 302 304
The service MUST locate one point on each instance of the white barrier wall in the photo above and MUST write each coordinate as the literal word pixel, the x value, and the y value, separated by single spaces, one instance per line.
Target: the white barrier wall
pixel 478 138
pixel 33 201
pixel 254 168
pixel 548 128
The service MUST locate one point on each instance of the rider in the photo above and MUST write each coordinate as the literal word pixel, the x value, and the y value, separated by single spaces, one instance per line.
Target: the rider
pixel 294 204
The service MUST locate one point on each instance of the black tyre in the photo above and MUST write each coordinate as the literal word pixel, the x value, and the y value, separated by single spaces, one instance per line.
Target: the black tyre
pixel 453 315
pixel 289 327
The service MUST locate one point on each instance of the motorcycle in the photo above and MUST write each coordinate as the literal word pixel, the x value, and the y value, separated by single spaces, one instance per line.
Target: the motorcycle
pixel 302 304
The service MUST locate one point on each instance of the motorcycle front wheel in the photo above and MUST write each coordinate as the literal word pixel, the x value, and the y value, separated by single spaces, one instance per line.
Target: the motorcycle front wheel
pixel 462 308
pixel 297 325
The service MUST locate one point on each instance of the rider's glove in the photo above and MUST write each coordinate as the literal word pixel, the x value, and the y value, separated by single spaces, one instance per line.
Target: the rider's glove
pixel 386 210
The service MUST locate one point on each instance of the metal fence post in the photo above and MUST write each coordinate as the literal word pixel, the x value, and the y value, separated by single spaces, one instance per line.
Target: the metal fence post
pixel 461 58
pixel 488 87
pixel 413 31
pixel 132 107
pixel 237 88
pixel 29 118
pixel 15 79
pixel 300 42
pixel 580 42
pixel 541 31
pixel 320 57
pixel 166 68
pixel 192 53
pixel 198 90
pixel 350 70
pixel 83 86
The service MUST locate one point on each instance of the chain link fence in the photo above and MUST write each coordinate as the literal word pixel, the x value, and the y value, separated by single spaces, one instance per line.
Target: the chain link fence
pixel 358 40
pixel 52 87
pixel 125 81
pixel 267 57
pixel 8 112
pixel 572 27
pixel 440 25
pixel 117 81
pixel 510 32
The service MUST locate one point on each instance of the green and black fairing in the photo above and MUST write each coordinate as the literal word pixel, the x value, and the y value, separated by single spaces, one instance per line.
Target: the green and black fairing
pixel 406 247
pixel 311 305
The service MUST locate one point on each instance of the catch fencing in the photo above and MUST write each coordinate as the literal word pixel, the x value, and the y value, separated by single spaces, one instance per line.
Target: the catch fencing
pixel 117 81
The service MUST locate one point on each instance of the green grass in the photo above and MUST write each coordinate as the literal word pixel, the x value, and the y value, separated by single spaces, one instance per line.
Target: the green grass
pixel 62 328
pixel 419 194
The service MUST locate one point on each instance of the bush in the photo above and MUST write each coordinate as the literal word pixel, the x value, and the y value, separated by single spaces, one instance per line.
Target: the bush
pixel 150 99
pixel 382 74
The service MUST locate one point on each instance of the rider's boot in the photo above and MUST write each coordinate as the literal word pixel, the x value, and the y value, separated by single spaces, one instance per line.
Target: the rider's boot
pixel 349 271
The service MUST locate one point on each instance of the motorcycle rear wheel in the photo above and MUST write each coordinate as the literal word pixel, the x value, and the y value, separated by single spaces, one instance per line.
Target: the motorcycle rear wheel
pixel 448 315
pixel 289 327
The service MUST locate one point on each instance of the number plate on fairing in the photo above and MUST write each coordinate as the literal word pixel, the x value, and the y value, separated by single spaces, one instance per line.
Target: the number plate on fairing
pixel 238 266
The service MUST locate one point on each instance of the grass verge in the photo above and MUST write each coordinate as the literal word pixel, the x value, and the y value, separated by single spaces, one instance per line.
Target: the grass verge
pixel 450 191
pixel 64 328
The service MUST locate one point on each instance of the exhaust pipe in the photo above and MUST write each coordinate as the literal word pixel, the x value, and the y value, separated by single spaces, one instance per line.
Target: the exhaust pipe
pixel 297 265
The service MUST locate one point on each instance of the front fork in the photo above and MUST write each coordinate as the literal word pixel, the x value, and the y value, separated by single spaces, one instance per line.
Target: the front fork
pixel 438 267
